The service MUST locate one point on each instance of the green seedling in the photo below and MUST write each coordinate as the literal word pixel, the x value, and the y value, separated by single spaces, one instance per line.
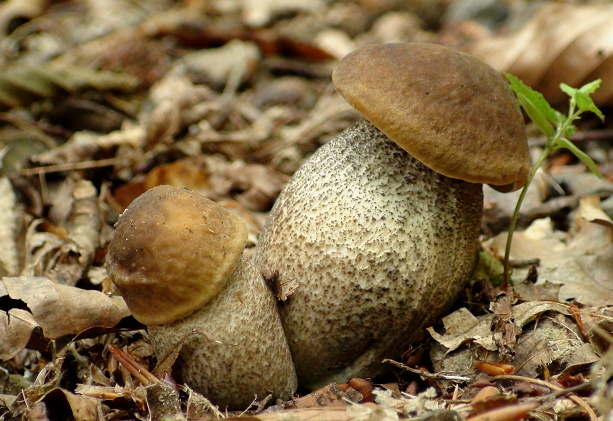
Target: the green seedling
pixel 557 127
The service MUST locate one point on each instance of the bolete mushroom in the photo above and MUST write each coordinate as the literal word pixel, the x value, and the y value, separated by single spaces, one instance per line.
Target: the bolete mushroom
pixel 176 258
pixel 380 226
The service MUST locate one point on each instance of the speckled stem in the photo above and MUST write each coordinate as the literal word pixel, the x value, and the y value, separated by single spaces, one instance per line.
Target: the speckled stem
pixel 381 246
pixel 238 351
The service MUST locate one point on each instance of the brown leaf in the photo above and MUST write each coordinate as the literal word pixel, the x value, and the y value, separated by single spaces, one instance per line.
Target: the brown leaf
pixel 581 261
pixel 60 309
pixel 65 252
pixel 461 326
pixel 16 327
pixel 562 42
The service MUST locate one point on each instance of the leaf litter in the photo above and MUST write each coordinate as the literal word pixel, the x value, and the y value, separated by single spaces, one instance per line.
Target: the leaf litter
pixel 228 100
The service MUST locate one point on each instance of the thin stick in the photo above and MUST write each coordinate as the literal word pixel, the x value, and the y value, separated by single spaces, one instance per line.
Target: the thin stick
pixel 70 166
pixel 557 389
pixel 436 376
pixel 139 373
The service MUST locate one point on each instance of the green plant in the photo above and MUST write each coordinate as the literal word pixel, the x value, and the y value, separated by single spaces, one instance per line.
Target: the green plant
pixel 557 127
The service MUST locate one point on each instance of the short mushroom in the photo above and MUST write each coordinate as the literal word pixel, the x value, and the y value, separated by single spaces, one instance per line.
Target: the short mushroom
pixel 380 226
pixel 176 258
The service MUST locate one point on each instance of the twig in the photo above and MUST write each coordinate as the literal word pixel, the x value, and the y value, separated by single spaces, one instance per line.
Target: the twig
pixel 557 391
pixel 70 166
pixel 141 374
pixel 524 263
pixel 435 376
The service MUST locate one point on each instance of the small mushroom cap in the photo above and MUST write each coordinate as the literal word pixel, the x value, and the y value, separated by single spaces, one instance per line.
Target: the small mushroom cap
pixel 448 109
pixel 172 252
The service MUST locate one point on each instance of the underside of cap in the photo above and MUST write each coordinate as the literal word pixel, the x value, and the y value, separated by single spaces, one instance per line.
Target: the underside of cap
pixel 448 109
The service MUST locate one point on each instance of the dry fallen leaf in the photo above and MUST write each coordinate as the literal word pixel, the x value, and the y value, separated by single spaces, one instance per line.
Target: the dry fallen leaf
pixel 57 309
pixel 562 42
pixel 581 261
pixel 65 253
pixel 461 326
pixel 368 411
pixel 553 340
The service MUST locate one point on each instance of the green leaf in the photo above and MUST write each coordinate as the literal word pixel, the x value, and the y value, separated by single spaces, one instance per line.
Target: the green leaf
pixel 582 97
pixel 587 161
pixel 590 88
pixel 568 90
pixel 536 106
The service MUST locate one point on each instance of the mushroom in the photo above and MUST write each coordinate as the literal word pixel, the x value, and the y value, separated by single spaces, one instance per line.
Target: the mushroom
pixel 379 227
pixel 176 258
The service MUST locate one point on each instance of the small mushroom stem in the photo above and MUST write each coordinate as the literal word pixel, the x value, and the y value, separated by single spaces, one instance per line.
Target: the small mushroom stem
pixel 176 258
pixel 380 246
pixel 232 349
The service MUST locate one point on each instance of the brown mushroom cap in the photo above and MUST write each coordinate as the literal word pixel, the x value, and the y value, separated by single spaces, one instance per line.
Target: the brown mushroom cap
pixel 448 109
pixel 172 252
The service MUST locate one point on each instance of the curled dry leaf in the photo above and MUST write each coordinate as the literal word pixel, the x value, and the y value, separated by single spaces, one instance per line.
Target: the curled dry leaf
pixel 562 42
pixel 65 255
pixel 57 309
pixel 9 261
pixel 553 341
pixel 13 10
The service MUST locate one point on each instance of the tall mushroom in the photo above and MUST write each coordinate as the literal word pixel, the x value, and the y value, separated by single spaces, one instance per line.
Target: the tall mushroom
pixel 177 259
pixel 379 227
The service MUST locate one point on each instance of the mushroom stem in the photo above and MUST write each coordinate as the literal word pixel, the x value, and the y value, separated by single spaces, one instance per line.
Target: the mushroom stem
pixel 380 245
pixel 232 349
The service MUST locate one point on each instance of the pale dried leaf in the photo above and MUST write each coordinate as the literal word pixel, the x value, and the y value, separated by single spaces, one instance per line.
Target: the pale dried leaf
pixel 546 291
pixel 99 391
pixel 13 9
pixel 562 42
pixel 39 246
pixel 9 260
pixel 64 257
pixel 62 310
pixel 410 405
pixel 82 145
pixel 463 329
pixel 198 406
pixel 257 14
pixel 83 408
pixel 580 261
pixel 16 327
pixel 553 341
pixel 554 338
pixel 218 66
pixel 163 401
pixel 363 412
pixel 169 99
pixel 84 223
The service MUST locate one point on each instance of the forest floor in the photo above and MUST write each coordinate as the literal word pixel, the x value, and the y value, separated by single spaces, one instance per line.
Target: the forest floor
pixel 103 100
